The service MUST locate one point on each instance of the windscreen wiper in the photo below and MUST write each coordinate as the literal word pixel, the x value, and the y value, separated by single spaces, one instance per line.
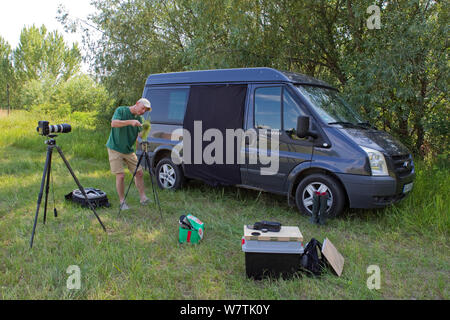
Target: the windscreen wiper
pixel 366 125
pixel 344 123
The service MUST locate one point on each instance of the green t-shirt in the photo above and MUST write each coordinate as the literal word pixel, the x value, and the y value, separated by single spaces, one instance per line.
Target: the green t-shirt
pixel 123 139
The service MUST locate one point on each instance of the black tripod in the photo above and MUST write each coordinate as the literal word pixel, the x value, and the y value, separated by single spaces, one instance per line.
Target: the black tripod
pixel 46 177
pixel 144 156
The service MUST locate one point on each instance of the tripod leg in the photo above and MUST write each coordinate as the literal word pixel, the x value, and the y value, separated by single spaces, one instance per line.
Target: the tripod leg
pixel 131 182
pixel 47 187
pixel 79 186
pixel 41 191
pixel 155 193
pixel 147 162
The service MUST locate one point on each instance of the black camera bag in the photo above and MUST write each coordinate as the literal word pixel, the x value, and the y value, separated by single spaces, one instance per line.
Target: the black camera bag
pixel 96 197
pixel 312 261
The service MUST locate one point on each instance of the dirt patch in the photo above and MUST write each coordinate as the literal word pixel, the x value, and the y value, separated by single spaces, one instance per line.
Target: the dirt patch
pixel 3 113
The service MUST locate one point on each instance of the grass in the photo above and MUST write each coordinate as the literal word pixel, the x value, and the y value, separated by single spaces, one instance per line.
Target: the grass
pixel 140 257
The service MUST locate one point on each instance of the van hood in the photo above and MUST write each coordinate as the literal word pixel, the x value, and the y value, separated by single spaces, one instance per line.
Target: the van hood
pixel 375 139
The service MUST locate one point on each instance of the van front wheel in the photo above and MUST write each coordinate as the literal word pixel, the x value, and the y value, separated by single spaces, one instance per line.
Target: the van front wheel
pixel 322 183
pixel 168 175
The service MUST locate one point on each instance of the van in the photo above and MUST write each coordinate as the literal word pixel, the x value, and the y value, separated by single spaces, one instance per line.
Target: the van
pixel 322 144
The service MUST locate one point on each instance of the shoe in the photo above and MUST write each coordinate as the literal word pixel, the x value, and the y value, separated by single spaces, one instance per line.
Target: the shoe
pixel 145 201
pixel 124 206
pixel 315 209
pixel 323 209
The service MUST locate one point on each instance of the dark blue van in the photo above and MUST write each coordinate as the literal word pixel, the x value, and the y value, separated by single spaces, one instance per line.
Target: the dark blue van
pixel 323 144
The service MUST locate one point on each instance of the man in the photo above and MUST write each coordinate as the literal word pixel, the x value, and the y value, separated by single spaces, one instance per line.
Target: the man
pixel 126 124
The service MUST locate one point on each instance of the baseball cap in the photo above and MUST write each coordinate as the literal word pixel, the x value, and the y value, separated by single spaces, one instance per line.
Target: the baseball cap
pixel 146 103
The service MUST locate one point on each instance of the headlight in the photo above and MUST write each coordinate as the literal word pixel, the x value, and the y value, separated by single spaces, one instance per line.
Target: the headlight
pixel 377 162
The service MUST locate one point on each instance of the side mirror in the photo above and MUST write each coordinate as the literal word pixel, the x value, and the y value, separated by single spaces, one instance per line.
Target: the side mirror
pixel 303 128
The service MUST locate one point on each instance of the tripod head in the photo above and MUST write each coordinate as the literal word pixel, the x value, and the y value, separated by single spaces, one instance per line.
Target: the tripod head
pixel 145 145
pixel 51 141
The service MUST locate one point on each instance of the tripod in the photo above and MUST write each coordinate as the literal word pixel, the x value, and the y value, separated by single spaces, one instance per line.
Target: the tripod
pixel 144 156
pixel 51 144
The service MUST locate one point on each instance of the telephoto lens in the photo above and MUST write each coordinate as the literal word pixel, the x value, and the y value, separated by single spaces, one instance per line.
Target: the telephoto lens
pixel 60 128
pixel 45 129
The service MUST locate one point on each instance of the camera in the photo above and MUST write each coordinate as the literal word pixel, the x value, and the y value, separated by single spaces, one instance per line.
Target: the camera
pixel 45 129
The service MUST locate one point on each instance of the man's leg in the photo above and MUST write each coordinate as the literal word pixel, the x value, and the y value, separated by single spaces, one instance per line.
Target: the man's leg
pixel 120 186
pixel 139 181
pixel 116 163
pixel 132 162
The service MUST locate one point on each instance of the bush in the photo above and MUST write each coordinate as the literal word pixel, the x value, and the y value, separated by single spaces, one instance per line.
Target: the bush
pixel 87 119
pixel 82 94
pixel 37 92
pixel 48 108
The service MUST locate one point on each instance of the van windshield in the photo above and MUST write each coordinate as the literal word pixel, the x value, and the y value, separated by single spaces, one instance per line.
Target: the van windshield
pixel 331 107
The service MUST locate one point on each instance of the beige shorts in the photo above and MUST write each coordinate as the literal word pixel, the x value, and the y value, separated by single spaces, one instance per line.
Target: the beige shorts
pixel 117 161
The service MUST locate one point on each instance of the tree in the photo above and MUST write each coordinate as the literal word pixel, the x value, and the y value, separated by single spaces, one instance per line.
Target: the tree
pixel 82 94
pixel 7 82
pixel 397 75
pixel 400 76
pixel 40 52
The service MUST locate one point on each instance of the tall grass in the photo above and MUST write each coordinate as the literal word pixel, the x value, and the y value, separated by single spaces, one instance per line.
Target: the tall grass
pixel 140 258
pixel 427 211
pixel 87 139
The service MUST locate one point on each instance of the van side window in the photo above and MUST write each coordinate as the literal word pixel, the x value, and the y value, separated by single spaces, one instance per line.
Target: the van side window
pixel 168 105
pixel 268 108
pixel 291 112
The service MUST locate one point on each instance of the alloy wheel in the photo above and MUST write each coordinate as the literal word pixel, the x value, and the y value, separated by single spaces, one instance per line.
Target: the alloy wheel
pixel 167 176
pixel 310 190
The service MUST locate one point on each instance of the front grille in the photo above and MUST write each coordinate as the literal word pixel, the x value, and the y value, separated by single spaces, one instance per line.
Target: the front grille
pixel 403 165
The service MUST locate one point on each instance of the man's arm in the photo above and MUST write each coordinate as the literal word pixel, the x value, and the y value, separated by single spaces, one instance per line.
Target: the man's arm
pixel 124 123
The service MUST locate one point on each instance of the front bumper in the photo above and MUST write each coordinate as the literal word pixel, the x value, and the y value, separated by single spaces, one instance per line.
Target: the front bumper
pixel 366 192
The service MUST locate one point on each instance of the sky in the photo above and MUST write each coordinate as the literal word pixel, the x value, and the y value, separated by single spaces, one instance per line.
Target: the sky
pixel 16 14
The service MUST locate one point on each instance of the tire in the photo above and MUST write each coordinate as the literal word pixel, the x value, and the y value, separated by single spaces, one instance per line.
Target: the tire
pixel 323 183
pixel 168 175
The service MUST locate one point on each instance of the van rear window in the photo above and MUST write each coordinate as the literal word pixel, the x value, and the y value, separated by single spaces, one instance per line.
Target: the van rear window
pixel 168 105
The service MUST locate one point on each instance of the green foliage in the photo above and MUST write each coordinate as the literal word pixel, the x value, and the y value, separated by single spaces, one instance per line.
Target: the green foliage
pixel 40 52
pixel 140 258
pixel 83 94
pixel 79 94
pixel 33 70
pixel 88 119
pixel 397 75
pixel 45 77
pixel 37 92
pixel 6 72
pixel 146 127
pixel 401 78
pixel 48 108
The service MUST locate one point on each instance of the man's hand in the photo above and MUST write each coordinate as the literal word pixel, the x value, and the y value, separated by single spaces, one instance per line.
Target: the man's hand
pixel 135 123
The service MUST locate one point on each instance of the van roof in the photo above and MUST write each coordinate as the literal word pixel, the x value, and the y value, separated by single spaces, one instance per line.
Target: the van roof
pixel 233 75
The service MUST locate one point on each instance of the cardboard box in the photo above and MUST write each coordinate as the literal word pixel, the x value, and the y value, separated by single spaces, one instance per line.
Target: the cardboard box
pixel 195 233
pixel 285 234
pixel 334 258
pixel 273 254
